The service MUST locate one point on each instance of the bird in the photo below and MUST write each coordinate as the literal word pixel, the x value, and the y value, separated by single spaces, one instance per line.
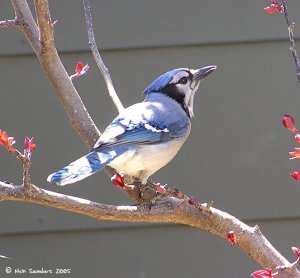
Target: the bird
pixel 146 136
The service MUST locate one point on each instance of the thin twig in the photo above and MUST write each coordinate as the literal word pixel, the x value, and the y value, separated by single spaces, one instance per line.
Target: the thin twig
pixel 293 50
pixel 8 23
pixel 78 115
pixel 5 257
pixel 25 160
pixel 103 69
pixel 289 267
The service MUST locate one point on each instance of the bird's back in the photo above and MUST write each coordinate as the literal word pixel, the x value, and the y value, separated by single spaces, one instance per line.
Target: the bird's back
pixel 158 112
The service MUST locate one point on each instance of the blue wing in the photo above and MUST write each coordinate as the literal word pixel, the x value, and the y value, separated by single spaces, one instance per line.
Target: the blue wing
pixel 138 133
pixel 158 120
pixel 137 125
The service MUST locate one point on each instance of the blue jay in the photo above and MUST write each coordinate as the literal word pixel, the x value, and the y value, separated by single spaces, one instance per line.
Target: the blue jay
pixel 145 136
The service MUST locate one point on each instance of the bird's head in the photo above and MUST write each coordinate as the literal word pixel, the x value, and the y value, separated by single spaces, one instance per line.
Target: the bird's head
pixel 180 85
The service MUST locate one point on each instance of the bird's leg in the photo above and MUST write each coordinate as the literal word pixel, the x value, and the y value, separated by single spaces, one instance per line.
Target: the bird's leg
pixel 150 193
pixel 146 194
pixel 129 186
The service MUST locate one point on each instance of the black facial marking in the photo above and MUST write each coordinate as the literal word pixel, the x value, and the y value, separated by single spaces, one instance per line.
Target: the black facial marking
pixel 172 91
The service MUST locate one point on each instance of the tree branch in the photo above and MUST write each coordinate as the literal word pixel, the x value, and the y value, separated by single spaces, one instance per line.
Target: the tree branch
pixel 26 24
pixel 103 69
pixel 8 23
pixel 293 50
pixel 167 210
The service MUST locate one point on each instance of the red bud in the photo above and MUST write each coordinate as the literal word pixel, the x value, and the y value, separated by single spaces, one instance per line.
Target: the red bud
pixel 29 146
pixel 231 237
pixel 5 140
pixel 160 188
pixel 289 123
pixel 193 201
pixel 297 138
pixel 275 7
pixel 79 67
pixel 118 180
pixel 296 251
pixel 265 273
pixel 295 175
pixel 80 70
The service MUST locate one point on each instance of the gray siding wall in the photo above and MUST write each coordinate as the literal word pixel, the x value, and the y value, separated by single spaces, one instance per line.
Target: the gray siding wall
pixel 237 154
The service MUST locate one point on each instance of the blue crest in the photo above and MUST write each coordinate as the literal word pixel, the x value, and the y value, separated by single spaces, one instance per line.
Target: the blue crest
pixel 160 82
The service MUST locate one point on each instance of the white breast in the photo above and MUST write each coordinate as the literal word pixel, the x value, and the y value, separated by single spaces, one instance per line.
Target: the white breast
pixel 146 159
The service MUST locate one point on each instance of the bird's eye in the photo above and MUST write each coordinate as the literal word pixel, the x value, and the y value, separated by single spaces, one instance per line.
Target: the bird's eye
pixel 183 80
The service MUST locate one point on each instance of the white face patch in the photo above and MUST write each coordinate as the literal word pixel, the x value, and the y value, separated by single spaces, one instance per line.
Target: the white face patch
pixel 178 76
pixel 189 97
pixel 187 89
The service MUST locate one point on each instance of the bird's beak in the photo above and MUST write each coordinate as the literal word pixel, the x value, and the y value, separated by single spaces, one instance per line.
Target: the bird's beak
pixel 203 72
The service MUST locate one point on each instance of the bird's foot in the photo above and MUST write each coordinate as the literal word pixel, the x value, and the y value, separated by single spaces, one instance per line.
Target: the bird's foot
pixel 119 180
pixel 162 191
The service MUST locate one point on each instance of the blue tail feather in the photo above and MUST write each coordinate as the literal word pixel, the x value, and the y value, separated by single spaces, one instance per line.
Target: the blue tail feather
pixel 86 166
